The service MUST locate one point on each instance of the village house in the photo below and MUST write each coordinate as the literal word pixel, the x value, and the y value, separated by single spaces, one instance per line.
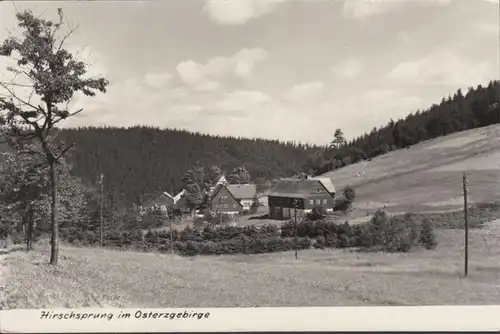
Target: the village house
pixel 232 198
pixel 163 201
pixel 302 195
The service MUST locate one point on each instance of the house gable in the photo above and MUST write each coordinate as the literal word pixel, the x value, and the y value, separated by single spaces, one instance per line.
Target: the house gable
pixel 222 200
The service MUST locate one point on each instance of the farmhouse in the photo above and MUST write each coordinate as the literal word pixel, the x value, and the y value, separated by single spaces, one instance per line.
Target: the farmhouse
pixel 160 201
pixel 306 193
pixel 180 202
pixel 232 198
pixel 163 200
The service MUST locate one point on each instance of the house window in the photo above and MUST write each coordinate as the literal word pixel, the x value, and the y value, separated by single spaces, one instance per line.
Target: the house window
pixel 226 205
pixel 235 205
pixel 311 201
pixel 318 201
pixel 318 190
pixel 324 201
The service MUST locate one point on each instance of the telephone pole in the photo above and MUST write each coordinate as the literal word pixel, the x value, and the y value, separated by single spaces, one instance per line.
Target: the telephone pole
pixel 295 220
pixel 101 182
pixel 464 184
pixel 219 205
pixel 171 230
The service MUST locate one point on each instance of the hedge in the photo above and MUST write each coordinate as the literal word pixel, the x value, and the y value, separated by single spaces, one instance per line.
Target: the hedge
pixel 382 233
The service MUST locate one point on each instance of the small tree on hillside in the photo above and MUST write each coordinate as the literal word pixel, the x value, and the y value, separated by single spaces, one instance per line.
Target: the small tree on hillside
pixel 338 141
pixel 350 196
pixel 53 76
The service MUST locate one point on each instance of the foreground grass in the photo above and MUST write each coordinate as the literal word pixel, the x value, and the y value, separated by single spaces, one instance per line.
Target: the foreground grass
pixel 95 277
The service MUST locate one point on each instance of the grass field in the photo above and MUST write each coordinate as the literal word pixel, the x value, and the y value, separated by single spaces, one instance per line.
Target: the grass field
pixel 94 277
pixel 427 176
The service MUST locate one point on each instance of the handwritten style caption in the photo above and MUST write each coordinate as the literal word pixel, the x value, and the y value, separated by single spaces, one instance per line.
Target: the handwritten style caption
pixel 71 315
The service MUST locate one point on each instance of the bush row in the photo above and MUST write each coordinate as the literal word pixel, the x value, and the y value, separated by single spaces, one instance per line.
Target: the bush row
pixel 390 234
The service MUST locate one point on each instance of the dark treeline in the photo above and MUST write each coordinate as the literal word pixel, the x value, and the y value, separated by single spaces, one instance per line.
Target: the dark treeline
pixel 140 160
pixel 477 108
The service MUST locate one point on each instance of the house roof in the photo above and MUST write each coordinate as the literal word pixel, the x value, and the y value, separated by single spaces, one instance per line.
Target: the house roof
pixel 299 188
pixel 168 195
pixel 179 195
pixel 242 191
pixel 292 195
pixel 148 198
pixel 327 183
pixel 222 180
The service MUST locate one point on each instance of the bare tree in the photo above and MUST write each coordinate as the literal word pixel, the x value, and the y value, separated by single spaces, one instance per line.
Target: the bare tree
pixel 53 76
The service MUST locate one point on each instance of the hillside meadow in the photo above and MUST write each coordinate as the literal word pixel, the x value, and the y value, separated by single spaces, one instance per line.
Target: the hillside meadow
pixel 96 277
pixel 428 175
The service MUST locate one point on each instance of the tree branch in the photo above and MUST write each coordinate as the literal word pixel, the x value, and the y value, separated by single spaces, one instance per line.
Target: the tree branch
pixel 13 94
pixel 71 31
pixel 69 115
pixel 64 151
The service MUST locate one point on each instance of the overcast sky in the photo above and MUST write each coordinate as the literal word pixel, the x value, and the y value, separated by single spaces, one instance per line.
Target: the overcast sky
pixel 283 69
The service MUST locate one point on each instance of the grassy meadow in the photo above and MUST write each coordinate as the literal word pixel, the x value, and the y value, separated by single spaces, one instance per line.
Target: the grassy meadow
pixel 428 176
pixel 96 277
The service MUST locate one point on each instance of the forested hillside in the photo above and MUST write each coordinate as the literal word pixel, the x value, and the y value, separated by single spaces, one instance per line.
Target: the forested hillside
pixel 479 107
pixel 141 160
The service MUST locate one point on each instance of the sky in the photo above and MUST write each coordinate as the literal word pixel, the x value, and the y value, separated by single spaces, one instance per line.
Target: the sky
pixel 275 69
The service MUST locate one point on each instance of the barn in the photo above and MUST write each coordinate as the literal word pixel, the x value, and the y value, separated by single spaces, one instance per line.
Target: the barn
pixel 302 195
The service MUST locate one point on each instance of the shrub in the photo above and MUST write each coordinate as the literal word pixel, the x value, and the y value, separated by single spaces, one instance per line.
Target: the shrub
pixel 390 234
pixel 427 238
pixel 208 216
pixel 342 205
pixel 199 221
pixel 316 213
pixel 349 194
pixel 397 237
pixel 255 206
pixel 377 227
pixel 344 236
pixel 218 219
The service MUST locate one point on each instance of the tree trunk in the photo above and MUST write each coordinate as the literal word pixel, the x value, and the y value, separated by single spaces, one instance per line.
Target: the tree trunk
pixel 29 231
pixel 54 242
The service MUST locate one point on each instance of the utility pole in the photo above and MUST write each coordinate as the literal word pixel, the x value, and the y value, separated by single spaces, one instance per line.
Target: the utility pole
pixel 220 210
pixel 295 220
pixel 101 182
pixel 171 230
pixel 464 184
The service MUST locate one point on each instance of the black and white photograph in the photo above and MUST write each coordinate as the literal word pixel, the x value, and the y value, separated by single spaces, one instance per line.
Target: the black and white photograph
pixel 249 153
